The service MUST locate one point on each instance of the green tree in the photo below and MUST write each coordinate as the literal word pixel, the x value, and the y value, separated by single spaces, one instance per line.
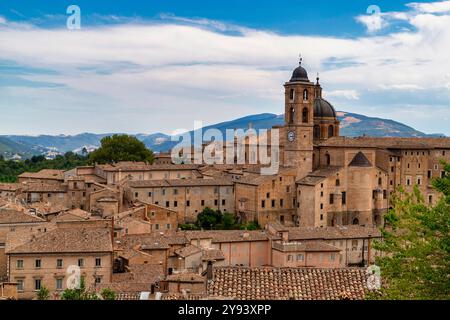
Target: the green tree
pixel 121 148
pixel 80 293
pixel 43 293
pixel 415 261
pixel 209 218
pixel 108 294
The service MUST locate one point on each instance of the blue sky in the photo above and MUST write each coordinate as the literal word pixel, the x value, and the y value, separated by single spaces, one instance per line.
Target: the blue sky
pixel 158 65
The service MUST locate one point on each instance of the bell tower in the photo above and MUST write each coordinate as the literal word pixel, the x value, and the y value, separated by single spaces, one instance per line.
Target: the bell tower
pixel 299 121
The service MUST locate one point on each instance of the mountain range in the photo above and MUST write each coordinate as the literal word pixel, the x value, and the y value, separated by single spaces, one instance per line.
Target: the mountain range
pixel 352 125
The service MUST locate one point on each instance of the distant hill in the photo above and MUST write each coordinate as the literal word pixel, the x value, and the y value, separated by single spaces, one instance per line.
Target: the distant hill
pixel 352 125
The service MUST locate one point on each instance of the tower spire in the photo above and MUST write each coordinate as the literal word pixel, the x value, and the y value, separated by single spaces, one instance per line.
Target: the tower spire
pixel 317 79
pixel 300 59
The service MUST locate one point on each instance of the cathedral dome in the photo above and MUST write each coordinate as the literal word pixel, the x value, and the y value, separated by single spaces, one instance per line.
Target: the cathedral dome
pixel 322 108
pixel 299 74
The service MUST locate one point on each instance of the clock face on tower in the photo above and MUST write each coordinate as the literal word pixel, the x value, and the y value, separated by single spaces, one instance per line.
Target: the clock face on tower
pixel 291 136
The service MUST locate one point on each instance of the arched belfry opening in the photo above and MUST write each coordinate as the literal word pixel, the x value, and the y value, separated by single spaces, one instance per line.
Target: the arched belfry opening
pixel 316 132
pixel 291 114
pixel 330 131
pixel 305 115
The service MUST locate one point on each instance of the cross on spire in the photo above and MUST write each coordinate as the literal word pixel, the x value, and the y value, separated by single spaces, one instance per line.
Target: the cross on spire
pixel 317 78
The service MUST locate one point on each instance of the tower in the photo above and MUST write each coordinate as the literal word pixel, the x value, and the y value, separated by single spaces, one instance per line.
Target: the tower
pixel 299 121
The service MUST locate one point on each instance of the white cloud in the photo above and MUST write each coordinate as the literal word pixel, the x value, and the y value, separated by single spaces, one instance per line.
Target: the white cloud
pixel 347 94
pixel 197 72
pixel 433 7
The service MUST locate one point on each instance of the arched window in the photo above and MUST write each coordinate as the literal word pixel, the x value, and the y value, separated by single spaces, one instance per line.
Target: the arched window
pixel 292 94
pixel 330 131
pixel 328 159
pixel 355 221
pixel 305 115
pixel 316 132
pixel 305 94
pixel 291 114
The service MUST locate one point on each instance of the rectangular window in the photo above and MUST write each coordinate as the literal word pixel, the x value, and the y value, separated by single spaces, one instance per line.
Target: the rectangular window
pixel 81 263
pixel 98 262
pixel 175 203
pixel 216 202
pixel 175 191
pixel 384 194
pixel 321 206
pixel 167 204
pixel 168 226
pixel 188 203
pixel 223 202
pixel 321 217
pixel 289 257
pixel 429 174
pixel 331 198
pixel 430 199
pixel 281 203
pixel 37 263
pixel 59 284
pixel 157 226
pixel 136 194
pixel 19 264
pixel 273 203
pixel 344 197
pixel 268 195
pixel 300 257
pixel 149 194
pixel 59 263
pixel 98 280
pixel 37 284
pixel 202 202
pixel 263 203
pixel 20 285
pixel 288 189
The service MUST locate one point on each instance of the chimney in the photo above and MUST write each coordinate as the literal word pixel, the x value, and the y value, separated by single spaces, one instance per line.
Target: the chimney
pixel 209 271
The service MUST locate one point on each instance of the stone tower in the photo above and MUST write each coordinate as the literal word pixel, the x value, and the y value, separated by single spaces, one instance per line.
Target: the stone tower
pixel 299 122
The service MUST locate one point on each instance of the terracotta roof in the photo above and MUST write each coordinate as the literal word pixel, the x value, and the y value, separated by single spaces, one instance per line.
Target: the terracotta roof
pixel 185 277
pixel 138 278
pixel 388 142
pixel 228 235
pixel 319 175
pixel 50 174
pixel 9 186
pixel 63 240
pixel 330 233
pixel 43 187
pixel 180 183
pixel 141 166
pixel 187 251
pixel 144 241
pixel 288 283
pixel 212 255
pixel 74 214
pixel 12 216
pixel 257 179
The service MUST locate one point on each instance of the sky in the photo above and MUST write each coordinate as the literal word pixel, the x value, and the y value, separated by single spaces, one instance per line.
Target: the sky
pixel 159 65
